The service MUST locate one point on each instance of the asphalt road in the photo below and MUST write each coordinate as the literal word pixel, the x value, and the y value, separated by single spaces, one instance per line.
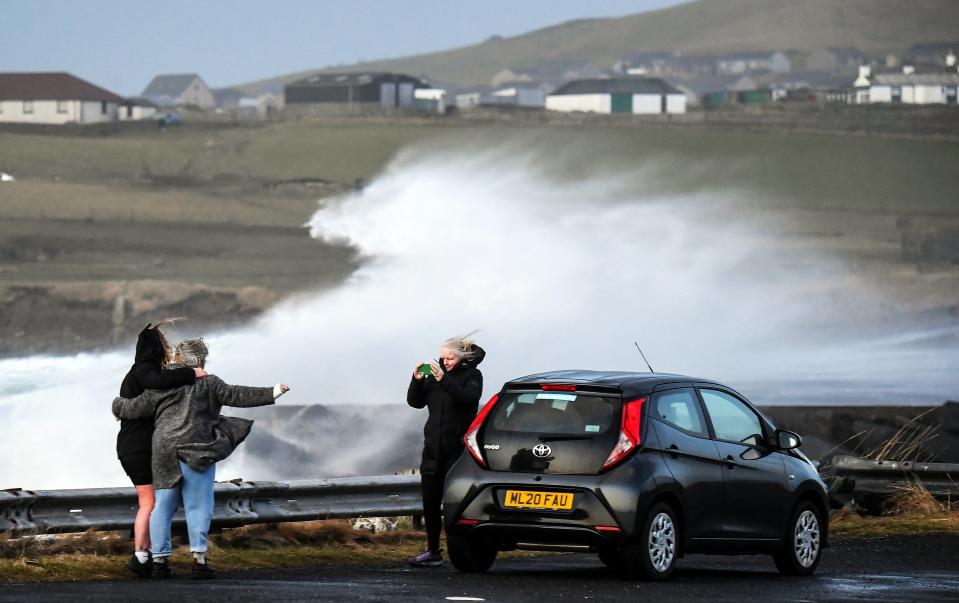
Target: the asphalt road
pixel 923 568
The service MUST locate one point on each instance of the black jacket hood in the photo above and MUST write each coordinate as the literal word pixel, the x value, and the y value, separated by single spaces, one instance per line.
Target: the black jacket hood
pixel 149 347
pixel 477 356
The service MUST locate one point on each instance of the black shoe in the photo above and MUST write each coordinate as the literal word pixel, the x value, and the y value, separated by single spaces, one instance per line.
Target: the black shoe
pixel 202 571
pixel 140 570
pixel 162 570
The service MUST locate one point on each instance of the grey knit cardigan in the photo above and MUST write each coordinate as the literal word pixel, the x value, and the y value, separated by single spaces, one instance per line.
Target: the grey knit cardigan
pixel 189 426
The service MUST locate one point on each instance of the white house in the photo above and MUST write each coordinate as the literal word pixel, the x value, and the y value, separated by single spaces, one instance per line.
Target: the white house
pixel 622 95
pixel 183 89
pixel 54 98
pixel 904 88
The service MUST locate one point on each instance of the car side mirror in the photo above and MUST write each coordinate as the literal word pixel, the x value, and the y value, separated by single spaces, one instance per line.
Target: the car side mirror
pixel 787 440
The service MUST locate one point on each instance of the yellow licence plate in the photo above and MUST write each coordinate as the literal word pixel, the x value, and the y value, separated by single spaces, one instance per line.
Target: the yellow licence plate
pixel 524 499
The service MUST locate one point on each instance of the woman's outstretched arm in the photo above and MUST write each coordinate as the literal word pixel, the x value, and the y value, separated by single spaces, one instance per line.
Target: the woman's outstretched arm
pixel 141 407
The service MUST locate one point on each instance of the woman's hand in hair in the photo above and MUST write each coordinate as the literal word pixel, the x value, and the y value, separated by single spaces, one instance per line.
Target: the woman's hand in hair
pixel 200 373
pixel 437 371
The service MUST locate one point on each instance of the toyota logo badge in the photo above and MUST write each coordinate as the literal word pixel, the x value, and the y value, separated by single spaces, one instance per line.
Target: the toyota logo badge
pixel 541 450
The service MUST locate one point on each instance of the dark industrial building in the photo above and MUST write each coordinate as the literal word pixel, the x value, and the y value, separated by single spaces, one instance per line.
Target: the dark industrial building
pixel 383 89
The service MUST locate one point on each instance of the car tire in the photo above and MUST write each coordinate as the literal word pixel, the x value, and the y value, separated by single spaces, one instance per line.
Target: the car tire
pixel 470 555
pixel 653 553
pixel 802 546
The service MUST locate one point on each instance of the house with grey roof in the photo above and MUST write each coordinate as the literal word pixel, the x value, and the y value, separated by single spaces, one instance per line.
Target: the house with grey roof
pixel 179 90
pixel 617 95
pixel 54 98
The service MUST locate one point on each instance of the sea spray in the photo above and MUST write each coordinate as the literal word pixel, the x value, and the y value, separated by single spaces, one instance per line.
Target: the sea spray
pixel 555 272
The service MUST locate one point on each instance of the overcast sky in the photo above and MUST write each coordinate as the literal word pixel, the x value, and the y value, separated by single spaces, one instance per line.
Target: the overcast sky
pixel 122 44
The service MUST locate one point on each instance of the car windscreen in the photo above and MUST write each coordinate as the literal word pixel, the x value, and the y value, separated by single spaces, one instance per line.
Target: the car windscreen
pixel 560 413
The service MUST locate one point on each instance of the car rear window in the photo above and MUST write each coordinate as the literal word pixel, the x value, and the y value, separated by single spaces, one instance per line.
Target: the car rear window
pixel 563 413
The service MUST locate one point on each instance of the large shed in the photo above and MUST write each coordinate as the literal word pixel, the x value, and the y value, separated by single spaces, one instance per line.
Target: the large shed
pixel 383 89
pixel 619 95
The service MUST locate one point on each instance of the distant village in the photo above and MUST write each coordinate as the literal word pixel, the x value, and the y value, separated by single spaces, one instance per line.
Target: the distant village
pixel 666 82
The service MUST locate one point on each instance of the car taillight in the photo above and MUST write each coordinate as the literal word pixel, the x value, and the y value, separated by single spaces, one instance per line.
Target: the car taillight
pixel 628 433
pixel 470 438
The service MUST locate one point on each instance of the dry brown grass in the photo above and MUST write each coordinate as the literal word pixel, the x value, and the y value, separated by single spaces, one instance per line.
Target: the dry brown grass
pixel 912 499
pixel 102 555
pixel 853 525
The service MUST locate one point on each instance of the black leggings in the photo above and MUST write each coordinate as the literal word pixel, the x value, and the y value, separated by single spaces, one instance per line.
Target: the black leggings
pixel 432 500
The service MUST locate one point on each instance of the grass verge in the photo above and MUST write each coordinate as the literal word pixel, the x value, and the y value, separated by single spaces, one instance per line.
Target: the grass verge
pixel 102 555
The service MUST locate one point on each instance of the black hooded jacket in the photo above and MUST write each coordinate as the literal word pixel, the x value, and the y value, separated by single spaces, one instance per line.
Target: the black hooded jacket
pixel 136 435
pixel 452 402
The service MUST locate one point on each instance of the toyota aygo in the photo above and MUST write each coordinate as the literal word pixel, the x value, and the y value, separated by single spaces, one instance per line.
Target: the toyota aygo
pixel 640 468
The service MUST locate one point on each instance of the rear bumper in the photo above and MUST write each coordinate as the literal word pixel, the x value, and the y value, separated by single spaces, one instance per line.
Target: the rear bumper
pixel 508 536
pixel 604 507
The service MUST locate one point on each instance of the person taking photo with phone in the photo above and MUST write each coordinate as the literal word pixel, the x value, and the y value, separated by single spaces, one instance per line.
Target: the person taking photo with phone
pixel 451 389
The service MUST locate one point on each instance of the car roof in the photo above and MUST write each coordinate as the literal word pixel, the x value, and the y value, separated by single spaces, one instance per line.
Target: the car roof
pixel 627 381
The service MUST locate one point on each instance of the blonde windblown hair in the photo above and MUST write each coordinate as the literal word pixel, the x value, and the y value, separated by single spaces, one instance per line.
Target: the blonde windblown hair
pixel 462 346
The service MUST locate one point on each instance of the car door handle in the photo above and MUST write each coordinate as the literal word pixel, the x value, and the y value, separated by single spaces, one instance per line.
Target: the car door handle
pixel 673 451
pixel 730 461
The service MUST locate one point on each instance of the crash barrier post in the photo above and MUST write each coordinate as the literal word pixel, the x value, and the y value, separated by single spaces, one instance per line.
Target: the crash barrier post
pixel 850 476
pixel 236 504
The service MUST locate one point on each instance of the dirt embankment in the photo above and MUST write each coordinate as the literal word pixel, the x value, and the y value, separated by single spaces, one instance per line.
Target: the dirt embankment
pixel 72 318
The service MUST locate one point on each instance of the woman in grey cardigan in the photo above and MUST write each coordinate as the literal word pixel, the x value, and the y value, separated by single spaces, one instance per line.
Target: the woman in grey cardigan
pixel 189 438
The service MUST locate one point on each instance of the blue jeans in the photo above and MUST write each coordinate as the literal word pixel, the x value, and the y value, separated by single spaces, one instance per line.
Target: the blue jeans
pixel 195 490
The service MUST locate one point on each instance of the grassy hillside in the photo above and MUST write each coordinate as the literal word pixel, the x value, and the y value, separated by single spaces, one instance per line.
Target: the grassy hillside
pixel 701 27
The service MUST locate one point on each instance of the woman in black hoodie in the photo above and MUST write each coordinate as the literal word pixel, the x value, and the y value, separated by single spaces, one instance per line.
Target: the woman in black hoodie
pixel 135 440
pixel 452 393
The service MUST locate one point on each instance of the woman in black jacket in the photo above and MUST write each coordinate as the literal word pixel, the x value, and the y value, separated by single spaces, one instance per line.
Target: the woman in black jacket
pixel 135 440
pixel 452 392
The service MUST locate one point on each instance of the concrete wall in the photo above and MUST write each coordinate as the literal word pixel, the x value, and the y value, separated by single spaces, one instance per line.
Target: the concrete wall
pixel 590 103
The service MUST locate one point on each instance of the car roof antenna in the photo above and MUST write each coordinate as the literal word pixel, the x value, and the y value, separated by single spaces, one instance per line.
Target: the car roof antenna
pixel 644 357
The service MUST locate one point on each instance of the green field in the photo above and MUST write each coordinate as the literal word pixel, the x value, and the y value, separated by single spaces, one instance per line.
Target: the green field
pixel 215 211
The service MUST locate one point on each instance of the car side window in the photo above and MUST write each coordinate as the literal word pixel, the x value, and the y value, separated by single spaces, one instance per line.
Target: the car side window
pixel 680 408
pixel 732 420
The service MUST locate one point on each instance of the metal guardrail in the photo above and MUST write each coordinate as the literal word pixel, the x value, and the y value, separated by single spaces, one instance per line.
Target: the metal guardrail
pixel 235 504
pixel 862 476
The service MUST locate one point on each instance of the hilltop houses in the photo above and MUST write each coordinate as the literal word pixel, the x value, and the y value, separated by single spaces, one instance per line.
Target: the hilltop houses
pixel 55 98
pixel 179 90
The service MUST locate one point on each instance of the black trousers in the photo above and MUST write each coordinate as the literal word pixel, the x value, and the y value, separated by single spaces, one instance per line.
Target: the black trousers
pixel 432 484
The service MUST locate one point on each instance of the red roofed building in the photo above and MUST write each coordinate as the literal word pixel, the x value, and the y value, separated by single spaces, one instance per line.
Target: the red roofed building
pixel 54 98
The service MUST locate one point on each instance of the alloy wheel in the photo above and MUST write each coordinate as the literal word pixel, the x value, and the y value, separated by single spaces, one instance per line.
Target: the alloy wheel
pixel 662 542
pixel 806 538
